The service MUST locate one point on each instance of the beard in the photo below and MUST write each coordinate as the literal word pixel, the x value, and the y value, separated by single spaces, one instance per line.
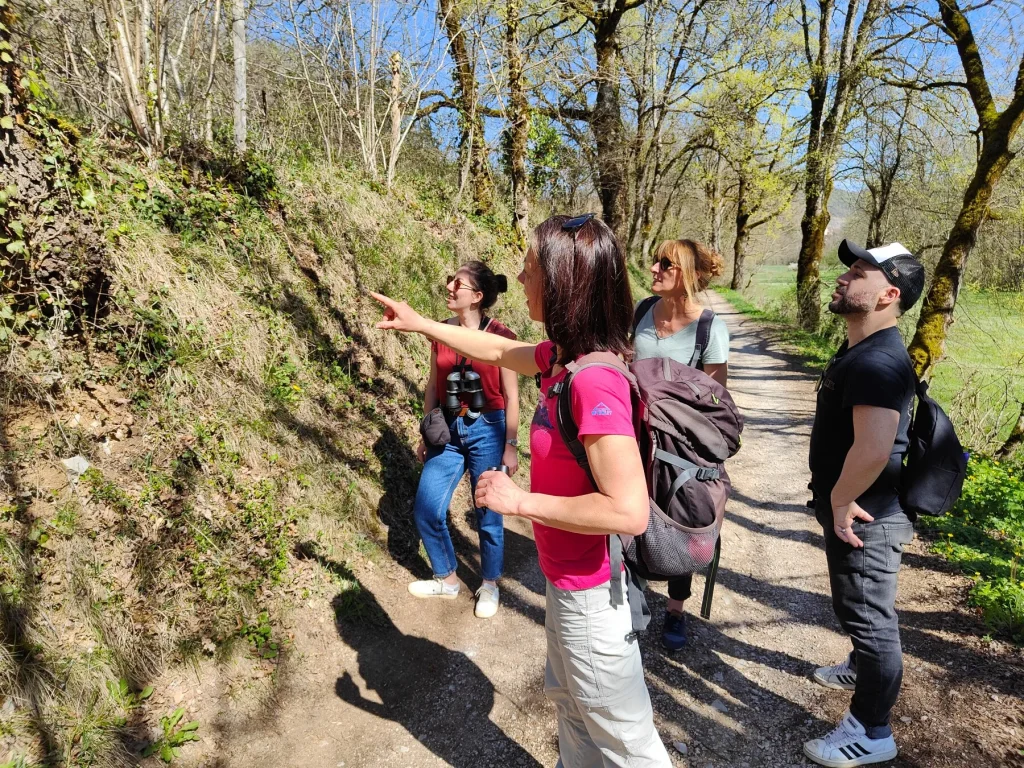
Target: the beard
pixel 848 304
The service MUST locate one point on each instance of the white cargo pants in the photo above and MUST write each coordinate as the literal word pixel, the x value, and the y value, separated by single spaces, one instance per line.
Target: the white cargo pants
pixel 595 679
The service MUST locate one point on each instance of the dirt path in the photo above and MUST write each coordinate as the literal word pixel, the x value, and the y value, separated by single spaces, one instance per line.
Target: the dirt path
pixel 426 684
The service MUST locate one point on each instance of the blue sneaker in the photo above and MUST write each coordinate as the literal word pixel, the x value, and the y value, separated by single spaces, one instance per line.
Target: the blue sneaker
pixel 673 632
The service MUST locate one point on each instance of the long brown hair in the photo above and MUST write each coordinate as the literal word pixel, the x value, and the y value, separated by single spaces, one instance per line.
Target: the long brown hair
pixel 588 306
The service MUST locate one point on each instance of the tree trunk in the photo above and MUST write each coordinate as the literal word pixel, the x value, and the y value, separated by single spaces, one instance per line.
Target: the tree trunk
pixel 238 52
pixel 396 115
pixel 208 99
pixel 1015 440
pixel 713 198
pixel 134 99
pixel 472 142
pixel 808 276
pixel 519 123
pixel 606 123
pixel 739 248
pixel 997 131
pixel 813 225
pixel 929 343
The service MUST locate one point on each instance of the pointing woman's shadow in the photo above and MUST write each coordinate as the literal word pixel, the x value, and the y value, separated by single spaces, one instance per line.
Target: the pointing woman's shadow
pixel 438 695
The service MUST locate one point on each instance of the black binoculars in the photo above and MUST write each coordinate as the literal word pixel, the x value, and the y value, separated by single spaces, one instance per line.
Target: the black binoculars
pixel 464 382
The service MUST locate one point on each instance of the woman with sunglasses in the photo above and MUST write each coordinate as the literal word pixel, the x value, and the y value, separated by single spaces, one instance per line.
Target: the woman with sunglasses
pixel 576 284
pixel 478 440
pixel 667 326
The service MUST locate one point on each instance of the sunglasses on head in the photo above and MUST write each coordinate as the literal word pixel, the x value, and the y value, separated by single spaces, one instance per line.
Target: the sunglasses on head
pixel 458 284
pixel 664 263
pixel 574 225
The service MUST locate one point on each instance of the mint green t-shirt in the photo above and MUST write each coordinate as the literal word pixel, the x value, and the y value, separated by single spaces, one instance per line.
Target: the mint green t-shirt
pixel 679 346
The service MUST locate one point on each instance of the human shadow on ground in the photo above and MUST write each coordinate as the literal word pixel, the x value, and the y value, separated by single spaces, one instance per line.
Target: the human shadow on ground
pixel 419 682
pixel 703 675
pixel 796 534
pixel 772 506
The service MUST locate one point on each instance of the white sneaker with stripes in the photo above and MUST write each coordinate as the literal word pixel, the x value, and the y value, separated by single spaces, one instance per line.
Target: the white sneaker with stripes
pixel 841 676
pixel 848 746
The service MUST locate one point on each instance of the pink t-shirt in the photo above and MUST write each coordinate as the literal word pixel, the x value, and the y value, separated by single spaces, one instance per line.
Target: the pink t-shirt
pixel 601 405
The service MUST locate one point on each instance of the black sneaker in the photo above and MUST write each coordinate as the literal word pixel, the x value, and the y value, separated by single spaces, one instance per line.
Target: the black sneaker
pixel 673 631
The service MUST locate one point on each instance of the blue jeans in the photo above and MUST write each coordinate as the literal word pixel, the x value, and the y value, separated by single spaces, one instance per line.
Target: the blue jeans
pixel 476 445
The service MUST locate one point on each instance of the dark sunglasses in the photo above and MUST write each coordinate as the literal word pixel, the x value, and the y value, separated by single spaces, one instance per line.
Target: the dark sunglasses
pixel 574 225
pixel 458 283
pixel 665 264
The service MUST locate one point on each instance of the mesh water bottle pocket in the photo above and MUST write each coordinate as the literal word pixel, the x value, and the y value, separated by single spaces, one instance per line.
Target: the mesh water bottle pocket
pixel 667 549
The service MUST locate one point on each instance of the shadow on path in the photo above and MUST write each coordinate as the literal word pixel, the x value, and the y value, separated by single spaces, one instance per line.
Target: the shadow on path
pixel 440 696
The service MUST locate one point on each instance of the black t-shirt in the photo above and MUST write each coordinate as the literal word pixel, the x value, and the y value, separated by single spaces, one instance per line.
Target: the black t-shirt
pixel 876 372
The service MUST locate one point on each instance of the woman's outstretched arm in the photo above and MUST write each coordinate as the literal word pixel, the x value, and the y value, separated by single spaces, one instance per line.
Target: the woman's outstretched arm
pixel 479 346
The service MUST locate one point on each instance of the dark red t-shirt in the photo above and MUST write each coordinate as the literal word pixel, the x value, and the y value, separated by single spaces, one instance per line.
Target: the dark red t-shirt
pixel 490 375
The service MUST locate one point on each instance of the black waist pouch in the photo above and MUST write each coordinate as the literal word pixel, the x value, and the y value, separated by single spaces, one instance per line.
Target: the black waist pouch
pixel 434 429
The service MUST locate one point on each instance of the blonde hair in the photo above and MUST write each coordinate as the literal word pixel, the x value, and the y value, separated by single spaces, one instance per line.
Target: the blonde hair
pixel 698 264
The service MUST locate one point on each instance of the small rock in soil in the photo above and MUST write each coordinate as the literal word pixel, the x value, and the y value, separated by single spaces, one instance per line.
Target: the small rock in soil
pixel 906 719
pixel 681 748
pixel 719 706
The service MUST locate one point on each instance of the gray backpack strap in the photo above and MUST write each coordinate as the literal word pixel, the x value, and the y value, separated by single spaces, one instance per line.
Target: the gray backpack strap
pixel 703 339
pixel 569 431
pixel 639 611
pixel 615 561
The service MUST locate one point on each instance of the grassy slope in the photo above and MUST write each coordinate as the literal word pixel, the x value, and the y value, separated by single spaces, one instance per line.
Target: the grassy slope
pixel 984 534
pixel 236 405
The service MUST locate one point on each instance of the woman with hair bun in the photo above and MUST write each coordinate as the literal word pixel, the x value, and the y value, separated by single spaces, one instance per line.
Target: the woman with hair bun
pixel 478 431
pixel 669 324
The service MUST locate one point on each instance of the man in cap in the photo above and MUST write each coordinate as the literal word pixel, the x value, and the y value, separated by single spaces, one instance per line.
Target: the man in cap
pixel 864 403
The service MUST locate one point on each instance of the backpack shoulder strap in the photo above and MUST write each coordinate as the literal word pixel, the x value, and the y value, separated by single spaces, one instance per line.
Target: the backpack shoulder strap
pixel 703 339
pixel 570 433
pixel 642 309
pixel 566 422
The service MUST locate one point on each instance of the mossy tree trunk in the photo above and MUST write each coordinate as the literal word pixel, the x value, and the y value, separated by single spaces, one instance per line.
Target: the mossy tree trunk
pixel 472 142
pixel 998 130
pixel 835 77
pixel 606 123
pixel 519 122
pixel 739 248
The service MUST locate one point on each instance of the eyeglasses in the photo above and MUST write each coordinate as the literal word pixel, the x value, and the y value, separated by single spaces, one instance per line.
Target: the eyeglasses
pixel 664 263
pixel 458 284
pixel 574 225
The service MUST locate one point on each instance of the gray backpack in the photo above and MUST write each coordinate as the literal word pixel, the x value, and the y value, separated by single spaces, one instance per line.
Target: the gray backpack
pixel 687 426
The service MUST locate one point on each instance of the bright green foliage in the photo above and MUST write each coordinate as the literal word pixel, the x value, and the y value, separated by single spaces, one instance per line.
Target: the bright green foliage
pixel 168 747
pixel 984 536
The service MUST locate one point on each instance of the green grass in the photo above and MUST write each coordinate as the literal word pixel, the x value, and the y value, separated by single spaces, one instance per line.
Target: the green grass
pixel 814 348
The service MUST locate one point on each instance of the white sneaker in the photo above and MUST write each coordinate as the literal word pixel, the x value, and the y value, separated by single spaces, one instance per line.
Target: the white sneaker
pixel 434 588
pixel 848 746
pixel 841 676
pixel 486 602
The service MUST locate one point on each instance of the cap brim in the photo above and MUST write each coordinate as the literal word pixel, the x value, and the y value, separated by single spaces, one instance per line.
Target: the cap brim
pixel 850 252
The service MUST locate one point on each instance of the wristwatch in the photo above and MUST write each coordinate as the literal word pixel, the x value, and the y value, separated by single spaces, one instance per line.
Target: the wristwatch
pixel 514 442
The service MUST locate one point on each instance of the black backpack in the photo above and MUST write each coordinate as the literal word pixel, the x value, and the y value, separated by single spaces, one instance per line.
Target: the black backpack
pixel 936 465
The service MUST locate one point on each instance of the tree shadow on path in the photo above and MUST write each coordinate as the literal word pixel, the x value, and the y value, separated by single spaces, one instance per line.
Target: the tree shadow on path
pixel 440 696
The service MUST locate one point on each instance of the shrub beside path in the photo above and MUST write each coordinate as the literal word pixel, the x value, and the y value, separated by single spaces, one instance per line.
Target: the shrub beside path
pixel 400 682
